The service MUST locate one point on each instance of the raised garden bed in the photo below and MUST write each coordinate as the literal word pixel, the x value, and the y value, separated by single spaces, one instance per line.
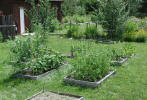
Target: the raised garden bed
pixel 72 81
pixel 122 61
pixel 106 41
pixel 46 95
pixel 27 75
pixel 69 55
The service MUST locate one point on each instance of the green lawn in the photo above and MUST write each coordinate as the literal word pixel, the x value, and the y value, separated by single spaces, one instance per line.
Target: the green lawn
pixel 129 82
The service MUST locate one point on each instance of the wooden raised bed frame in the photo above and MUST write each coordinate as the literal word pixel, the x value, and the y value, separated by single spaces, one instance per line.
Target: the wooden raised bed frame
pixel 58 93
pixel 35 77
pixel 87 83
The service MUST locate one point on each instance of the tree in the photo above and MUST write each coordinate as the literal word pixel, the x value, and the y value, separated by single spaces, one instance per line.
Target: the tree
pixel 41 13
pixel 133 6
pixel 112 14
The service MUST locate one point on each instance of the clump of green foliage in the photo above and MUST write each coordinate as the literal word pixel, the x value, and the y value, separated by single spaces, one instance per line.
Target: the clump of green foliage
pixel 75 32
pixel 112 14
pixel 94 32
pixel 31 53
pixel 42 14
pixel 91 65
pixel 134 33
pixel 117 54
pixel 47 60
pixel 88 31
pixel 131 27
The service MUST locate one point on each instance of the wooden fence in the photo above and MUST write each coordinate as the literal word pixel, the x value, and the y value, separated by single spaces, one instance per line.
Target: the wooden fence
pixel 7 27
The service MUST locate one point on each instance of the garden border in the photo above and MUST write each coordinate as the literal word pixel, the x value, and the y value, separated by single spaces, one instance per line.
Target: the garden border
pixel 119 63
pixel 58 93
pixel 36 77
pixel 87 83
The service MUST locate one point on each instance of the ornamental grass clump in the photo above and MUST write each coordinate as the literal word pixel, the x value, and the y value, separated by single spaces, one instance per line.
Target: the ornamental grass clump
pixel 75 32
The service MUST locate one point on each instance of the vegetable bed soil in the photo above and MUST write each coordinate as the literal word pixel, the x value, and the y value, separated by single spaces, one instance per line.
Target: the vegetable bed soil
pixel 21 74
pixel 72 81
pixel 45 95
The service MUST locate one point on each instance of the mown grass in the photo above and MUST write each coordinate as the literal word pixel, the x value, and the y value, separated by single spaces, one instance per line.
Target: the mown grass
pixel 129 82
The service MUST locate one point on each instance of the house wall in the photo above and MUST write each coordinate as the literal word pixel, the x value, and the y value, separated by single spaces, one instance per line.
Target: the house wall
pixel 12 7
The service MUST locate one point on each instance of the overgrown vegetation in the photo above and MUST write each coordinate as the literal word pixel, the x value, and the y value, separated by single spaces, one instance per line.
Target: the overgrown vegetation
pixel 112 14
pixel 43 14
pixel 93 63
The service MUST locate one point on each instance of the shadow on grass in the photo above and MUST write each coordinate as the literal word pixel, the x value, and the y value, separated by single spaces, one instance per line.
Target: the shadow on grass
pixel 10 81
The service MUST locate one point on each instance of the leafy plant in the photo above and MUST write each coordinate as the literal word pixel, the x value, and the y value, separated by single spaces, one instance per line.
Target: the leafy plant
pixel 47 60
pixel 138 36
pixel 112 14
pixel 131 27
pixel 21 49
pixel 91 32
pixel 42 13
pixel 92 67
pixel 74 32
pixel 94 32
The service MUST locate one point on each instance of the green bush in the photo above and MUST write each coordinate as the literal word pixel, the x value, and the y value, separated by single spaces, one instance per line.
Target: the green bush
pixel 117 53
pixel 93 32
pixel 21 49
pixel 131 27
pixel 138 36
pixel 47 60
pixel 112 14
pixel 75 32
pixel 77 19
pixel 53 25
pixel 1 37
pixel 92 67
pixel 29 53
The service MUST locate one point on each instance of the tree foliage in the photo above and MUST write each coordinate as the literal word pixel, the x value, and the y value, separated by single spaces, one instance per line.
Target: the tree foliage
pixel 41 13
pixel 112 14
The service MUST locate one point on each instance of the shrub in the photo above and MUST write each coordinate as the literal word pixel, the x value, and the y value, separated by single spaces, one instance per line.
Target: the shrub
pixel 117 53
pixel 138 36
pixel 77 19
pixel 93 32
pixel 75 32
pixel 92 67
pixel 21 49
pixel 112 14
pixel 41 14
pixel 129 50
pixel 1 37
pixel 53 25
pixel 131 27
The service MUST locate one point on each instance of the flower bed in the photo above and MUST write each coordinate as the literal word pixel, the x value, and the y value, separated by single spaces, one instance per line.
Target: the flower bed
pixel 45 95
